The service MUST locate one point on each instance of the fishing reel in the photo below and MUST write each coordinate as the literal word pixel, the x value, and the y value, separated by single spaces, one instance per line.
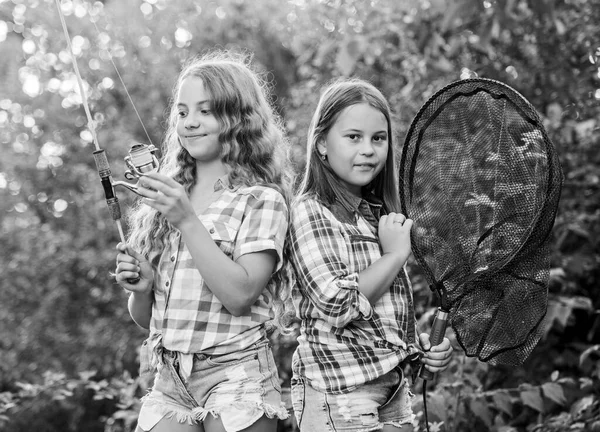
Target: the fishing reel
pixel 141 160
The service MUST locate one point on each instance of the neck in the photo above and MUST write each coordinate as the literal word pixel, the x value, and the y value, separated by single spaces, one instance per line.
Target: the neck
pixel 208 173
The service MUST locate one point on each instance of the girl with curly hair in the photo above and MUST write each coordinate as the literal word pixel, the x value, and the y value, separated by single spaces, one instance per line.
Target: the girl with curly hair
pixel 207 245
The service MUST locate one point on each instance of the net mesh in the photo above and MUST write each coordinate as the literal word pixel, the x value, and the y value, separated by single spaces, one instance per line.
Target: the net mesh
pixel 481 181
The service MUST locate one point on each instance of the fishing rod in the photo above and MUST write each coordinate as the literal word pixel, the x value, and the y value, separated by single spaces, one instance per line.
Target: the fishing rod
pixel 140 160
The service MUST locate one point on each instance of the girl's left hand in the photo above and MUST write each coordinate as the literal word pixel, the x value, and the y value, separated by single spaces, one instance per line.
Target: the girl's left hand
pixel 167 196
pixel 436 358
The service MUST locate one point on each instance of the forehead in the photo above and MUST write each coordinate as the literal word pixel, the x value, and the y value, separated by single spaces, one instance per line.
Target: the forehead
pixel 362 116
pixel 192 90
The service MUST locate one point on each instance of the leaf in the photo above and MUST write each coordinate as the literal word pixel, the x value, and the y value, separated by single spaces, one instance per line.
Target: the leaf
pixel 533 399
pixel 480 199
pixel 560 309
pixel 349 53
pixel 481 410
pixel 589 358
pixel 436 426
pixel 581 406
pixel 437 406
pixel 586 384
pixel 554 392
pixel 503 402
pixel 124 414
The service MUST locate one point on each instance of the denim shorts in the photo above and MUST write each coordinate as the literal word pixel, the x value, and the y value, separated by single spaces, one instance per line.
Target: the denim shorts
pixel 239 388
pixel 386 400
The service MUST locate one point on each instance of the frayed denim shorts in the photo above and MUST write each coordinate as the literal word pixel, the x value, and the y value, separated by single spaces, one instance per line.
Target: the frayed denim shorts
pixel 386 400
pixel 239 388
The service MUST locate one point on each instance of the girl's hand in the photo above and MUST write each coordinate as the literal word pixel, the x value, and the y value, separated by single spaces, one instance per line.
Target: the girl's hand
pixel 394 235
pixel 132 265
pixel 167 196
pixel 436 358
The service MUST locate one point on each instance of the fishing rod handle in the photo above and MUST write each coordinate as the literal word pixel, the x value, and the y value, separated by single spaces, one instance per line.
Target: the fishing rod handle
pixel 436 336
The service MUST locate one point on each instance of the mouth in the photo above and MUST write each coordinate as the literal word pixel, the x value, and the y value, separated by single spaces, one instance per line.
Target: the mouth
pixel 365 166
pixel 195 136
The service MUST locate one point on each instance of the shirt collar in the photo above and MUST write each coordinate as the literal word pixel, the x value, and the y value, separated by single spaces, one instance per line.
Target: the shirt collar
pixel 222 183
pixel 357 206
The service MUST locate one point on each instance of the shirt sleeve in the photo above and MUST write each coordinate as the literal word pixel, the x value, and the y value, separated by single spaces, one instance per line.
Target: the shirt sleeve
pixel 319 253
pixel 265 224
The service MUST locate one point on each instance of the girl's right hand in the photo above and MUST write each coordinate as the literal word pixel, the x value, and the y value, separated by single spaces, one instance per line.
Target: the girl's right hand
pixel 130 266
pixel 394 235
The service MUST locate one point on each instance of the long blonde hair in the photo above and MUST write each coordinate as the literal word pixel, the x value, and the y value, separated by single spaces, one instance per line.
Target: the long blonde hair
pixel 254 147
pixel 319 179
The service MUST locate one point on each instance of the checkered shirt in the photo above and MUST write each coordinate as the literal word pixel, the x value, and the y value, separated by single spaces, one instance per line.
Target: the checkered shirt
pixel 344 341
pixel 186 316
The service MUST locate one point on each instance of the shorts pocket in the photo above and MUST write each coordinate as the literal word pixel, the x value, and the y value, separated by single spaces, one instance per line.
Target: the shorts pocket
pixel 145 356
pixel 268 368
pixel 297 393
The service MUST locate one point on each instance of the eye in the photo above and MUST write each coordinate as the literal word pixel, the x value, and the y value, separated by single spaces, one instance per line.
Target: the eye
pixel 205 111
pixel 380 138
pixel 181 114
pixel 353 137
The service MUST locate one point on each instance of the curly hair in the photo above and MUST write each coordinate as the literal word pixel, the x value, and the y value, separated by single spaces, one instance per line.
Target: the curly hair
pixel 254 147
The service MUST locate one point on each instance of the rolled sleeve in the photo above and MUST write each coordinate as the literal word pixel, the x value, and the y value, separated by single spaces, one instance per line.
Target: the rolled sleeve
pixel 265 224
pixel 320 257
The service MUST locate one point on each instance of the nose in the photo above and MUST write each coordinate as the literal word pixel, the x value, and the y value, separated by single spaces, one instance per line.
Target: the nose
pixel 366 149
pixel 191 121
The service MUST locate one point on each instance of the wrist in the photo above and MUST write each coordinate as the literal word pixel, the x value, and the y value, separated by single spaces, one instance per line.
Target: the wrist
pixel 144 293
pixel 189 223
pixel 398 258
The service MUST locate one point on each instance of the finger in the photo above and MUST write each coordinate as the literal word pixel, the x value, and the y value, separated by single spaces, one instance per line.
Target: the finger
pixel 432 363
pixel 166 180
pixel 138 256
pixel 424 341
pixel 132 265
pixel 125 258
pixel 148 191
pixel 154 204
pixel 437 356
pixel 399 218
pixel 442 346
pixel 408 223
pixel 391 220
pixel 156 185
pixel 433 369
pixel 125 276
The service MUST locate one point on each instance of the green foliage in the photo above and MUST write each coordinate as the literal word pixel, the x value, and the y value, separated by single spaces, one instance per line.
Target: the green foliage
pixel 462 402
pixel 74 404
pixel 61 314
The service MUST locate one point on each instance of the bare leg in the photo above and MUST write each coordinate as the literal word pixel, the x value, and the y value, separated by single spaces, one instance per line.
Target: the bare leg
pixel 404 428
pixel 172 425
pixel 263 424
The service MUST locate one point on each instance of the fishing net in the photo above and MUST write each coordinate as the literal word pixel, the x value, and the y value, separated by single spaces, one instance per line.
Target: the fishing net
pixel 481 180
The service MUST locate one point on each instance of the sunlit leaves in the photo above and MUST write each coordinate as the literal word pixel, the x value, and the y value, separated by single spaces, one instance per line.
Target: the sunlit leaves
pixel 182 37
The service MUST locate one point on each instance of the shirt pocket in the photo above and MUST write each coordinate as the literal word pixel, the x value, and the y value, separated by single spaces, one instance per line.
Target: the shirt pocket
pixel 223 235
pixel 364 251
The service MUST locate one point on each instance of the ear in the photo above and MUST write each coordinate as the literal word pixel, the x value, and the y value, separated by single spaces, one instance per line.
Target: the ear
pixel 321 148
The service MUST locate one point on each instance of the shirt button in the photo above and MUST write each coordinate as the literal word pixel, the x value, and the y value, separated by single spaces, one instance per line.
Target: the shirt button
pixel 212 231
pixel 172 258
pixel 167 283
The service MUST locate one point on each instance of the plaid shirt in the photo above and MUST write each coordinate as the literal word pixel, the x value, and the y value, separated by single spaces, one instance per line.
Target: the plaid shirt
pixel 186 316
pixel 344 341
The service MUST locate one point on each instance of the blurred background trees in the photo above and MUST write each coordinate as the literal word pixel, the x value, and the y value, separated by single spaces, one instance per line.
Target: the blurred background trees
pixel 68 349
